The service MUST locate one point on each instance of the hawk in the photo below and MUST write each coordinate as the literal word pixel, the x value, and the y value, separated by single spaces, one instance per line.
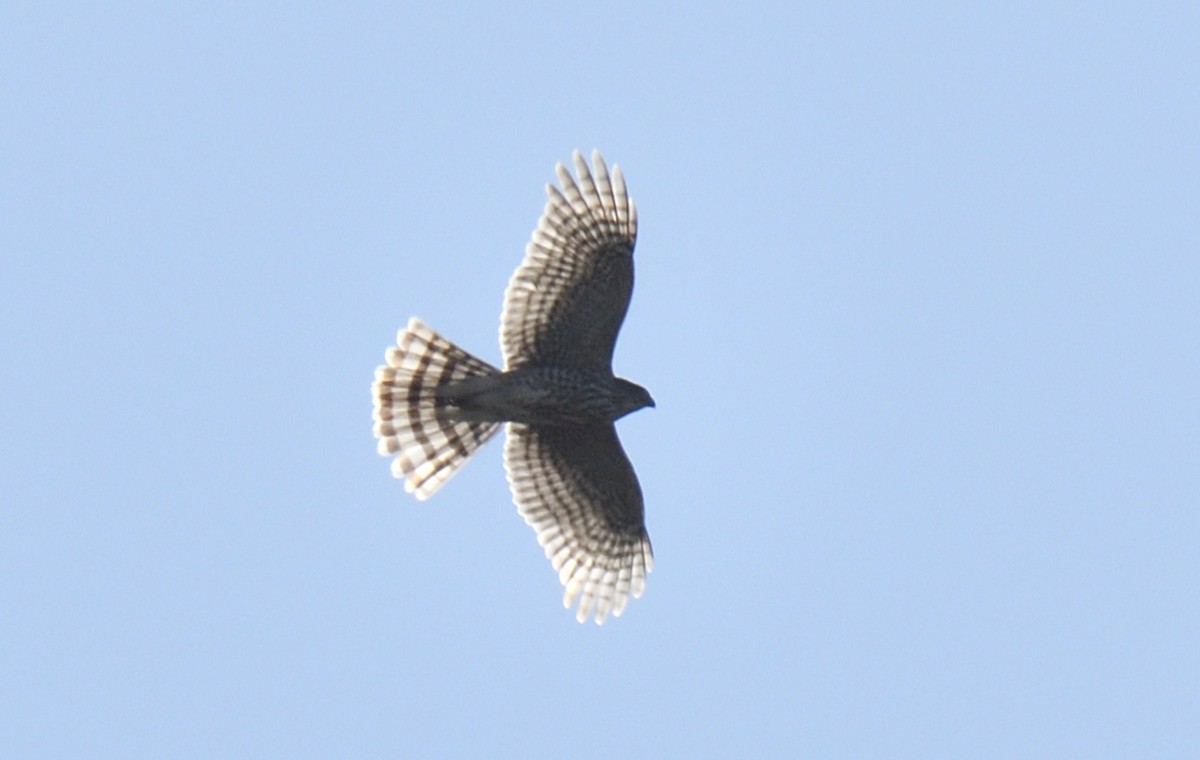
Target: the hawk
pixel 436 404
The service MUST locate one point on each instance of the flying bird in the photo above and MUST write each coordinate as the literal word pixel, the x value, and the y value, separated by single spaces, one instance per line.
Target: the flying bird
pixel 436 404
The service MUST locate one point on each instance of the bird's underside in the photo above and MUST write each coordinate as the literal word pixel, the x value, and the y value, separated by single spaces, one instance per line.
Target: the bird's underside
pixel 541 396
pixel 435 404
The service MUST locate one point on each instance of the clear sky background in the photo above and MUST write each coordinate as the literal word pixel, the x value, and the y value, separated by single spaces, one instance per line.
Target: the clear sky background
pixel 917 298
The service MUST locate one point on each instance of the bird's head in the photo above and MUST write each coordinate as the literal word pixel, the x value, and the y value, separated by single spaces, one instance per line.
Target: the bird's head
pixel 630 397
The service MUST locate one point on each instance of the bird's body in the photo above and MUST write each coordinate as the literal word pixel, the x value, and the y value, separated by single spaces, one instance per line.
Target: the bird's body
pixel 544 396
pixel 435 404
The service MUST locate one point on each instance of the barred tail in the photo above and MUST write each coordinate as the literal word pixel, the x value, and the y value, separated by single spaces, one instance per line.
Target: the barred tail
pixel 429 442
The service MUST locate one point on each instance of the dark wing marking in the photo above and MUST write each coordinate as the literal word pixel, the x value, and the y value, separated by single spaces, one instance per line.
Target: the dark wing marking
pixel 576 488
pixel 565 303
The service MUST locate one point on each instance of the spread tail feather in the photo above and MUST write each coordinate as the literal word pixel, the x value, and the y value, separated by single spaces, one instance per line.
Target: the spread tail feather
pixel 430 443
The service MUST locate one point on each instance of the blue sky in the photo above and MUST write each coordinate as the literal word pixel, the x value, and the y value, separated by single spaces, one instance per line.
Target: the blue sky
pixel 917 299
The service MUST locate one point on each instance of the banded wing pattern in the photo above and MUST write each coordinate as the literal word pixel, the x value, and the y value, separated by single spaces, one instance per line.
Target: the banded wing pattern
pixel 565 303
pixel 576 488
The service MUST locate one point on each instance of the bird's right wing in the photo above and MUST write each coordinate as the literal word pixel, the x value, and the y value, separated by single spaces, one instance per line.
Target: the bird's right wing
pixel 565 303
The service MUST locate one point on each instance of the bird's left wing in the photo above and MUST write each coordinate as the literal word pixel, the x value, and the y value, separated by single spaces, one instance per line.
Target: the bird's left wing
pixel 577 489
